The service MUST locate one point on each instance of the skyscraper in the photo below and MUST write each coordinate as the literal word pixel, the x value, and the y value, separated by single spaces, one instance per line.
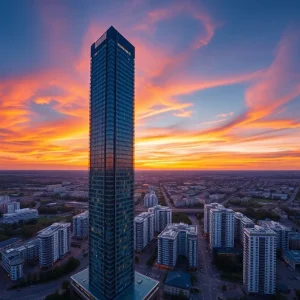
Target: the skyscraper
pixel 111 181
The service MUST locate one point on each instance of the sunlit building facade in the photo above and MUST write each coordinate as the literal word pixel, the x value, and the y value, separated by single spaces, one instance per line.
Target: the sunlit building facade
pixel 111 180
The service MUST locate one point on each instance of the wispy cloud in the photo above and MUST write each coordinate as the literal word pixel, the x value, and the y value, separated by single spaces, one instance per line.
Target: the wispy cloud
pixel 225 115
pixel 44 114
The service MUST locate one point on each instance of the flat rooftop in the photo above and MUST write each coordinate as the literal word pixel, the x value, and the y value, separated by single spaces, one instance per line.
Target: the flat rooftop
pixel 260 230
pixel 174 228
pixel 52 228
pixel 273 225
pixel 9 241
pixel 142 216
pixel 293 255
pixel 294 236
pixel 143 286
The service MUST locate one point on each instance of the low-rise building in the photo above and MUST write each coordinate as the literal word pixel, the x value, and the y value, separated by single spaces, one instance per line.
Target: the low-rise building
pixel 178 283
pixel 143 230
pixel 292 257
pixel 12 207
pixel 178 239
pixel 23 214
pixel 81 225
pixel 29 250
pixel 12 263
pixel 9 243
pixel 294 241
pixel 279 196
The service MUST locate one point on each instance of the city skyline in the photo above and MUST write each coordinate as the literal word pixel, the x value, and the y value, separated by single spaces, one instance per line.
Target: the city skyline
pixel 217 85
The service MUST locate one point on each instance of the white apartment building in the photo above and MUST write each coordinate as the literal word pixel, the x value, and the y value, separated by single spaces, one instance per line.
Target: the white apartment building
pixel 12 207
pixel 221 229
pixel 81 225
pixel 240 223
pixel 29 250
pixel 55 188
pixel 54 243
pixel 143 230
pixel 162 217
pixel 150 198
pixel 282 232
pixel 8 206
pixel 207 208
pixel 178 239
pixel 12 263
pixel 259 260
pixel 23 214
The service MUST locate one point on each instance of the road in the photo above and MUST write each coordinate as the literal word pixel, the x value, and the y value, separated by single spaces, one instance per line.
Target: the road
pixel 167 199
pixel 292 198
pixel 228 198
pixel 207 280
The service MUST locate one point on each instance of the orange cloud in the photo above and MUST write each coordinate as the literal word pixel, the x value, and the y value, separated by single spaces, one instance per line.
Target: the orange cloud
pixel 255 139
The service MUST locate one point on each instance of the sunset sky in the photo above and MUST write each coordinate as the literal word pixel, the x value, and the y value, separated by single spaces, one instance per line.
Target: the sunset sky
pixel 217 82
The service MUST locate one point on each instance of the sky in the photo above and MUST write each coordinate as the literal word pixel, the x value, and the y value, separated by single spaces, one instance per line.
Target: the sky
pixel 217 83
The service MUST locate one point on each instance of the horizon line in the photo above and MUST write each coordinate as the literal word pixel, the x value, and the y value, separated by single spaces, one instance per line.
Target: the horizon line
pixel 176 170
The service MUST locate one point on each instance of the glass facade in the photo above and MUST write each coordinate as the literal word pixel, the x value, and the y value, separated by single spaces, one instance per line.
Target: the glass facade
pixel 111 180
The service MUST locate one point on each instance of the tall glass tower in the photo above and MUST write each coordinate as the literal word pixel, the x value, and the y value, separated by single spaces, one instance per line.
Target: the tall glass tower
pixel 111 180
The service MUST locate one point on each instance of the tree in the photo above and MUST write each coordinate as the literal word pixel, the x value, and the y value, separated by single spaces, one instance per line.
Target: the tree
pixel 65 284
pixel 181 295
pixel 29 278
pixel 193 279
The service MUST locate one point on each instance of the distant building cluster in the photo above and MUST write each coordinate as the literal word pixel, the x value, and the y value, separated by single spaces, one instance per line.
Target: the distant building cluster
pixel 64 189
pixel 178 239
pixel 146 223
pixel 24 214
pixel 274 189
pixel 150 198
pixel 81 225
pixel 55 243
pixel 195 193
pixel 7 205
